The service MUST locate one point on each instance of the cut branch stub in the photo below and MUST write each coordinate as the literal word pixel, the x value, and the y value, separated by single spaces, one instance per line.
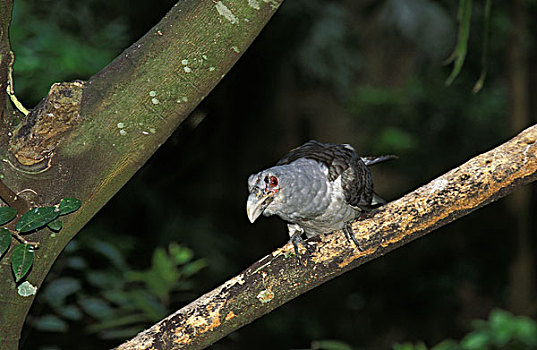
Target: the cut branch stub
pixel 278 278
pixel 38 135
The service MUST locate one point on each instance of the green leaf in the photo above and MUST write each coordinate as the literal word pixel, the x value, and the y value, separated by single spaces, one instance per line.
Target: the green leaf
pixel 330 345
pixel 459 54
pixel 193 267
pixel 97 308
pixel 116 322
pixel 447 344
pixel 111 252
pixel 69 205
pixel 36 218
pixel 7 214
pixel 59 289
pixel 51 323
pixel 70 312
pixel 22 260
pixel 179 254
pixel 122 333
pixel 5 240
pixel 475 341
pixel 55 225
pixel 484 51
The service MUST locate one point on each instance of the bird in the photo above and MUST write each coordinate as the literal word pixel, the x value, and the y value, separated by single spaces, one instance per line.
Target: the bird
pixel 317 188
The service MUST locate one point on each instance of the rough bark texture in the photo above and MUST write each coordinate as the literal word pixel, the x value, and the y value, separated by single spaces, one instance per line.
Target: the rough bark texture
pixel 86 139
pixel 278 278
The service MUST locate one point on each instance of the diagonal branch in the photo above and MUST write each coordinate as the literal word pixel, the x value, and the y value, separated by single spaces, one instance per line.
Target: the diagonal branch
pixel 277 278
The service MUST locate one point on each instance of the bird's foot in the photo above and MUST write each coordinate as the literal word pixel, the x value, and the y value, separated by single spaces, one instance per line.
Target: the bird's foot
pixel 295 235
pixel 296 239
pixel 349 234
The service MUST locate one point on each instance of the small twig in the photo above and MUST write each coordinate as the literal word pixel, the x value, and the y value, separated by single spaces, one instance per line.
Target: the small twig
pixel 12 199
pixel 11 90
pixel 25 190
pixel 21 239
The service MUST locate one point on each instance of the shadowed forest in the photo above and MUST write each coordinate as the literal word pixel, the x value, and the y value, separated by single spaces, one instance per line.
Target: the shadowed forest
pixel 368 73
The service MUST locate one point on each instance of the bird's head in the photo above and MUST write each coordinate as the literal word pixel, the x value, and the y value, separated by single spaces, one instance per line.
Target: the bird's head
pixel 264 188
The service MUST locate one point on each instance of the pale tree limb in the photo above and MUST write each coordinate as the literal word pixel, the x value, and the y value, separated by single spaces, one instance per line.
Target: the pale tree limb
pixel 278 278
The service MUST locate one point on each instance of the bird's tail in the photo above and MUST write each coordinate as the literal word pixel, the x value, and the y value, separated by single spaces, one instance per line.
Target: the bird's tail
pixel 377 201
pixel 372 160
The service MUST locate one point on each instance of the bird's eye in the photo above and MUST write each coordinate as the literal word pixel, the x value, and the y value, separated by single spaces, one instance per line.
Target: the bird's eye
pixel 273 181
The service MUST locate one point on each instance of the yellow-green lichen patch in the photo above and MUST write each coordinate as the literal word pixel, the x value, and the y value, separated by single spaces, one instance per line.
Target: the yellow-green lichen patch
pixel 226 13
pixel 254 4
pixel 26 289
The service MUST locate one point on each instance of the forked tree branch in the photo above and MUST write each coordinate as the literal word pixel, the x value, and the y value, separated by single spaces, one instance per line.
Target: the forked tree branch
pixel 87 139
pixel 278 278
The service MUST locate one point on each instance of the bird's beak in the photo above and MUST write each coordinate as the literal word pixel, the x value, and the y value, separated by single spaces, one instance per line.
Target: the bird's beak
pixel 257 202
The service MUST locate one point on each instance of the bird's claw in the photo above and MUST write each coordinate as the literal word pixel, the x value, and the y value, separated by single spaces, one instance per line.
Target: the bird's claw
pixel 349 234
pixel 296 239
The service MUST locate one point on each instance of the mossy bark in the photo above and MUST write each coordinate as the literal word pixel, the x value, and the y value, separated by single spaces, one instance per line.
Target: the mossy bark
pixel 86 139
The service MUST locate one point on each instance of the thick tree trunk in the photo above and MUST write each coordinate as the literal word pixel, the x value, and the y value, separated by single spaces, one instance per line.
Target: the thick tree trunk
pixel 278 278
pixel 86 139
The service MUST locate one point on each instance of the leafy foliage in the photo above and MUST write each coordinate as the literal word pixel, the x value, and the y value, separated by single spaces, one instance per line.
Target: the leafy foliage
pixel 51 51
pixel 22 257
pixel 502 331
pixel 124 300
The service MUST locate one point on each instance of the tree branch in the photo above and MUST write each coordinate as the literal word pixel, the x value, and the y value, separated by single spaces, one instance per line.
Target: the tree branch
pixel 87 139
pixel 278 278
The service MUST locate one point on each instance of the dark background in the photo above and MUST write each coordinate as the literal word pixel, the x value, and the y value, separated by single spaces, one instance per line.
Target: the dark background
pixel 369 73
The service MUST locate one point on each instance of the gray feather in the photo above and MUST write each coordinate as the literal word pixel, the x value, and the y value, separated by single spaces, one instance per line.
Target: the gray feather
pixel 321 187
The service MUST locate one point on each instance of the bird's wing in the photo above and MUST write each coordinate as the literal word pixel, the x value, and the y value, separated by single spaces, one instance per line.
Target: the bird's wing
pixel 336 158
pixel 341 160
